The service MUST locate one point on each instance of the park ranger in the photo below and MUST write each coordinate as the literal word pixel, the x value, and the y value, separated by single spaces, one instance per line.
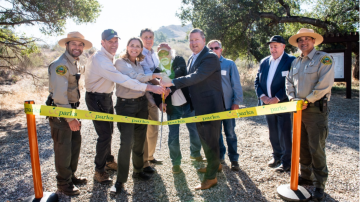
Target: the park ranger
pixel 64 74
pixel 310 78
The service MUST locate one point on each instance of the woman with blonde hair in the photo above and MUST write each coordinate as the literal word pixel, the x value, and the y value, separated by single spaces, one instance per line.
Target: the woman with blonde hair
pixel 132 104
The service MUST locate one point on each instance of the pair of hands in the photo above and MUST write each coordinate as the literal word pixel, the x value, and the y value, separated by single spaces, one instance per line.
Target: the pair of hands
pixel 74 125
pixel 159 87
pixel 268 100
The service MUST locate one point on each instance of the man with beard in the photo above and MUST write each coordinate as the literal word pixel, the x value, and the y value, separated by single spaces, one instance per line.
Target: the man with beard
pixel 64 74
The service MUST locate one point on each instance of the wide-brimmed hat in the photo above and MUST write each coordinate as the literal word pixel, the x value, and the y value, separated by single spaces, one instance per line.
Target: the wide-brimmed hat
pixel 306 32
pixel 75 36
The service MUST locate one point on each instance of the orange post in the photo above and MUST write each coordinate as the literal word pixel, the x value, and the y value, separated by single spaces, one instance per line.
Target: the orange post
pixel 295 150
pixel 34 153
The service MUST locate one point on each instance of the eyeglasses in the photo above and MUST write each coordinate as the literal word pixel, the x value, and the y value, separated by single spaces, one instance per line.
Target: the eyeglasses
pixel 216 48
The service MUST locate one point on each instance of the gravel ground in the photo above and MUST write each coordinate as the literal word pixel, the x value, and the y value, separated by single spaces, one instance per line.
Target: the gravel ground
pixel 254 182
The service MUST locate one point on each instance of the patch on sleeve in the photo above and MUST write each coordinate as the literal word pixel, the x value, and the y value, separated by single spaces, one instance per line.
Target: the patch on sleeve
pixel 61 70
pixel 326 60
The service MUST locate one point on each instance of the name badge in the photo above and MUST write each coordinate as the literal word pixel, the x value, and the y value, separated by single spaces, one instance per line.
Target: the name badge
pixel 285 73
pixel 223 72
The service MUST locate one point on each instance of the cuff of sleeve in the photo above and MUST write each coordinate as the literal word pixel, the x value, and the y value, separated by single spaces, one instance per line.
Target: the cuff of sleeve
pixel 311 98
pixel 143 87
pixel 262 95
pixel 277 98
pixel 69 119
pixel 236 102
pixel 291 96
pixel 149 76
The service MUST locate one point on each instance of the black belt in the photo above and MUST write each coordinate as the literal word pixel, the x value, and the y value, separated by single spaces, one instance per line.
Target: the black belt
pixel 75 105
pixel 315 104
pixel 100 94
pixel 133 99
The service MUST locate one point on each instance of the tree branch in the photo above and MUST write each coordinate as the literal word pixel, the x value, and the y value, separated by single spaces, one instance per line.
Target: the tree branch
pixel 286 6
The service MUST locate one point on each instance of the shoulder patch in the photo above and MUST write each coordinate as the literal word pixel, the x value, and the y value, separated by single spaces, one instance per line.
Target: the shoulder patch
pixel 61 70
pixel 326 60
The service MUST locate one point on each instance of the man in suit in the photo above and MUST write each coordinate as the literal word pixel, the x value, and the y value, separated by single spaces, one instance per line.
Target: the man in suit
pixel 270 89
pixel 204 81
pixel 177 105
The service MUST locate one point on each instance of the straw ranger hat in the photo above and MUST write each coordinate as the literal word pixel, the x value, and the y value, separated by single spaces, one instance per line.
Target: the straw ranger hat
pixel 306 32
pixel 75 36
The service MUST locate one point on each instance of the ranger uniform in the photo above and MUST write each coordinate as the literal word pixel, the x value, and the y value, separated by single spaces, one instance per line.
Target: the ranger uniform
pixel 64 74
pixel 311 78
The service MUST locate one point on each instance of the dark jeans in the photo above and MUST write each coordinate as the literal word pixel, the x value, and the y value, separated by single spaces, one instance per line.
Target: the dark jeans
pixel 280 136
pixel 314 131
pixel 209 137
pixel 173 142
pixel 132 136
pixel 231 140
pixel 102 102
pixel 67 145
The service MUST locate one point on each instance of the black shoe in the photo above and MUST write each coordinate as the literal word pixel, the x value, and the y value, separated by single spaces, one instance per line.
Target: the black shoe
pixel 302 181
pixel 141 176
pixel 235 166
pixel 156 161
pixel 149 169
pixel 318 194
pixel 281 168
pixel 78 180
pixel 273 163
pixel 116 189
pixel 222 161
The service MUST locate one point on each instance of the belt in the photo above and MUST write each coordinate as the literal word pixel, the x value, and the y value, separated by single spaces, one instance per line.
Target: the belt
pixel 100 94
pixel 133 99
pixel 315 104
pixel 75 105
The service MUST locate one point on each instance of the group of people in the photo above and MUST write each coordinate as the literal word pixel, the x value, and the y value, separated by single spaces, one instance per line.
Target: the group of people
pixel 148 81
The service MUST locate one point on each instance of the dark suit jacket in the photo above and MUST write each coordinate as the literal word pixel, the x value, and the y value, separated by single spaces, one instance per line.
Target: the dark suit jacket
pixel 278 82
pixel 179 67
pixel 204 82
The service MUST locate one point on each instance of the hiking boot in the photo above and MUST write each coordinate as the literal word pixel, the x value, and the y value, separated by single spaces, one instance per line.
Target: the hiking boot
pixel 102 177
pixel 78 180
pixel 68 189
pixel 116 189
pixel 235 166
pixel 111 166
pixel 318 194
pixel 176 169
pixel 141 176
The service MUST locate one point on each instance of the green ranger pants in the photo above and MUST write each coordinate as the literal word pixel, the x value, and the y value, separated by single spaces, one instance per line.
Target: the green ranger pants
pixel 66 148
pixel 314 131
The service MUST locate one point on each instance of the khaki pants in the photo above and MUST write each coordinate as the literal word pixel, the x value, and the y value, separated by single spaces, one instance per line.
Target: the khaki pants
pixel 151 135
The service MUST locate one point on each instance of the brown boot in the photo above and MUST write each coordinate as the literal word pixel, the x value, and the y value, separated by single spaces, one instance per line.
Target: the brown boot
pixel 111 166
pixel 69 189
pixel 102 177
pixel 206 184
pixel 78 180
pixel 203 170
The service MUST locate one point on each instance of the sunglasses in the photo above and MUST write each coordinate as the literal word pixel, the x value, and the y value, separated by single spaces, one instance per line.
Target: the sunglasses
pixel 216 48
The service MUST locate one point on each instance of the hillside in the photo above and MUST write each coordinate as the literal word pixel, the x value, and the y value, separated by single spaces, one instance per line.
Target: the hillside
pixel 175 31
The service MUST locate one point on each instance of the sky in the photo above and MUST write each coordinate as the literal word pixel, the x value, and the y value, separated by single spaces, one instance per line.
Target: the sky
pixel 126 17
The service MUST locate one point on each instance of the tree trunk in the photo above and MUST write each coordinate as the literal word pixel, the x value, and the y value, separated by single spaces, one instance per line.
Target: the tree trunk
pixel 356 68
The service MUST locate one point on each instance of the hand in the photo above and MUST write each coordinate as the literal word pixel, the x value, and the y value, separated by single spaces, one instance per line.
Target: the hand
pixel 167 92
pixel 74 125
pixel 155 89
pixel 163 106
pixel 304 105
pixel 166 83
pixel 156 75
pixel 265 99
pixel 273 100
pixel 234 106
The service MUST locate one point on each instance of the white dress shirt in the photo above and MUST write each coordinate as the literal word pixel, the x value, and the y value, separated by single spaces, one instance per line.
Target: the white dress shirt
pixel 274 63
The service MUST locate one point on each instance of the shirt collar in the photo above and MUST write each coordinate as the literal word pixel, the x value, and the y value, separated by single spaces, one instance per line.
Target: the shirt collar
pixel 70 58
pixel 279 58
pixel 221 58
pixel 109 55
pixel 196 55
pixel 147 52
pixel 312 53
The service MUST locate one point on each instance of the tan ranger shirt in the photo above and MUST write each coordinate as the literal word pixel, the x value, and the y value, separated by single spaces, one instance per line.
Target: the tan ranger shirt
pixel 62 81
pixel 311 77
pixel 101 74
pixel 134 71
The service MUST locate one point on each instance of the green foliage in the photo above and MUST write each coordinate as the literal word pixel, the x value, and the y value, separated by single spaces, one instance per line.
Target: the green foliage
pixel 245 26
pixel 49 15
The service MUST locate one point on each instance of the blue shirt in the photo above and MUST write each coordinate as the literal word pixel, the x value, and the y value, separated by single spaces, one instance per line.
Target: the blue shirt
pixel 230 80
pixel 194 57
pixel 150 61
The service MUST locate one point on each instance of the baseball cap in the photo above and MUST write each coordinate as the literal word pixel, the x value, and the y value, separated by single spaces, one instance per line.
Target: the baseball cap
pixel 109 34
pixel 277 39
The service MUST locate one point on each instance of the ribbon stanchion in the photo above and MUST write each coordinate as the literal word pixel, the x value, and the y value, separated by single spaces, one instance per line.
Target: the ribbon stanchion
pixel 292 191
pixel 35 163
